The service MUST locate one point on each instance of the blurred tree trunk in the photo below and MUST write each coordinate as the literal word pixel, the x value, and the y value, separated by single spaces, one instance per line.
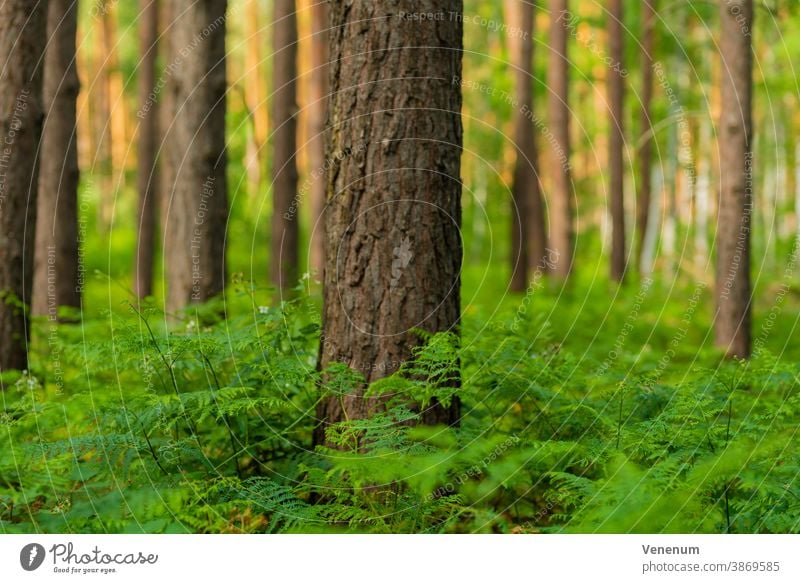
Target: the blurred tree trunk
pixel 393 253
pixel 616 101
pixel 561 227
pixel 23 35
pixel 147 175
pixel 528 240
pixel 166 115
pixel 255 96
pixel 646 150
pixel 55 280
pixel 317 118
pixel 284 233
pixel 732 322
pixel 199 210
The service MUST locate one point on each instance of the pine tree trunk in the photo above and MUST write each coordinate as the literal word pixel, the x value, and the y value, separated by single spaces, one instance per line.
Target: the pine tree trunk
pixel 616 97
pixel 528 233
pixel 317 117
pixel 393 252
pixel 732 322
pixel 284 233
pixel 147 177
pixel 55 280
pixel 23 35
pixel 561 227
pixel 199 210
pixel 643 203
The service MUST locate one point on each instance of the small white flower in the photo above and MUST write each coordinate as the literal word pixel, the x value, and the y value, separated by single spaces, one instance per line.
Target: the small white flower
pixel 263 309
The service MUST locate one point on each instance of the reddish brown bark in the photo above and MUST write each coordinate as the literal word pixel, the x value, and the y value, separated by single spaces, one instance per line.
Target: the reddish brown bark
pixel 55 281
pixel 561 196
pixel 23 35
pixel 316 120
pixel 285 205
pixel 528 240
pixel 616 142
pixel 147 178
pixel 733 294
pixel 393 252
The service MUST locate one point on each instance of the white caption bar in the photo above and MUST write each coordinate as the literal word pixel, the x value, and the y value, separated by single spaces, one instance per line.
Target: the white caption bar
pixel 401 558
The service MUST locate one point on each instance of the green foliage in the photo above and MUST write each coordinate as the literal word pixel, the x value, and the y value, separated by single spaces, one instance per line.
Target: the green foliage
pixel 140 423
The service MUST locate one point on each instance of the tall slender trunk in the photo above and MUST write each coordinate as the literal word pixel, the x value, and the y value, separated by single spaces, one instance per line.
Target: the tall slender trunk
pixel 732 322
pixel 643 204
pixel 147 178
pixel 393 252
pixel 55 279
pixel 199 210
pixel 528 233
pixel 284 233
pixel 316 119
pixel 616 143
pixel 23 35
pixel 561 227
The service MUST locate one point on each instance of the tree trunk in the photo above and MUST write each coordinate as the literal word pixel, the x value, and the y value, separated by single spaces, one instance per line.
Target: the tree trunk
pixel 199 210
pixel 147 179
pixel 561 228
pixel 616 142
pixel 55 279
pixel 528 233
pixel 23 35
pixel 645 152
pixel 393 252
pixel 316 119
pixel 284 233
pixel 732 322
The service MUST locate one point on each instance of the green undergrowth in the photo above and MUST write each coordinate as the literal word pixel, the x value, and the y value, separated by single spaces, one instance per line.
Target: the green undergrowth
pixel 576 417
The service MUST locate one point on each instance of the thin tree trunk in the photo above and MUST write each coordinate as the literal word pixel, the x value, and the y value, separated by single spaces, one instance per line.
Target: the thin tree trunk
pixel 393 252
pixel 561 227
pixel 23 35
pixel 199 212
pixel 55 280
pixel 645 152
pixel 316 119
pixel 528 233
pixel 732 322
pixel 616 98
pixel 147 178
pixel 285 236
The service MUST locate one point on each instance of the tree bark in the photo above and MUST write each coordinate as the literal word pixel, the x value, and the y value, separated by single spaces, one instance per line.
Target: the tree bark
pixel 646 151
pixel 199 210
pixel 616 142
pixel 393 252
pixel 55 279
pixel 23 35
pixel 147 179
pixel 561 227
pixel 284 244
pixel 528 240
pixel 317 116
pixel 732 322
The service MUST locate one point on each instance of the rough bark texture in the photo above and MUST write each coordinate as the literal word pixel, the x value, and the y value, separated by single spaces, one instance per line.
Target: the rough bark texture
pixel 732 323
pixel 561 227
pixel 55 279
pixel 23 36
pixel 316 118
pixel 147 178
pixel 528 240
pixel 285 207
pixel 393 252
pixel 199 208
pixel 616 142
pixel 646 149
